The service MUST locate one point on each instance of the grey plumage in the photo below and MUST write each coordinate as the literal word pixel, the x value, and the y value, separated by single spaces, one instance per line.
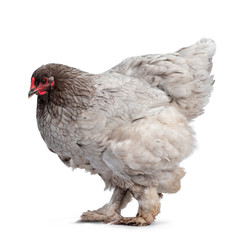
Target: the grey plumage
pixel 130 124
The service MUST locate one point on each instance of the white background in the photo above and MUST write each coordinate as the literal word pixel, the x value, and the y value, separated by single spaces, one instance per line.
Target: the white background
pixel 40 197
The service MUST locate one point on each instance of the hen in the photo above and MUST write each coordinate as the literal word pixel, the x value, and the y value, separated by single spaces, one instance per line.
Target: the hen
pixel 129 125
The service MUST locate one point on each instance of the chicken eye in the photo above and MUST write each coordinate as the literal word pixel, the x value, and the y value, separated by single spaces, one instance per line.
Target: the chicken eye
pixel 45 80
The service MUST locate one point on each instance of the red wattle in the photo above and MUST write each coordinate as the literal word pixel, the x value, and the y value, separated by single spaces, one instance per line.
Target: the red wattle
pixel 41 92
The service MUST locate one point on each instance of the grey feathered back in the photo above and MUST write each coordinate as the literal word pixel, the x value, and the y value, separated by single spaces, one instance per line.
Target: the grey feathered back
pixel 184 75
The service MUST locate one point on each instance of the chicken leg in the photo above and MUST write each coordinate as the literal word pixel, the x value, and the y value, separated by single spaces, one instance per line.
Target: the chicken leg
pixel 149 207
pixel 110 211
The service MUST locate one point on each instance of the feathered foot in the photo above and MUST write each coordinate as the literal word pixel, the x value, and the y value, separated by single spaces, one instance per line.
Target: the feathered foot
pixel 99 216
pixel 132 221
pixel 111 211
pixel 149 207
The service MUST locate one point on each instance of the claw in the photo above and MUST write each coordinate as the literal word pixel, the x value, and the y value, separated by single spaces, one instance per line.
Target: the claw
pixel 131 221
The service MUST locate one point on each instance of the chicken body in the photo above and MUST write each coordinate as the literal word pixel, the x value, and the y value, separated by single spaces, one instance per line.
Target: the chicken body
pixel 130 124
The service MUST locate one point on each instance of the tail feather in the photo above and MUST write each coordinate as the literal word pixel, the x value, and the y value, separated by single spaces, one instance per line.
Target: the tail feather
pixel 204 46
pixel 199 59
pixel 184 75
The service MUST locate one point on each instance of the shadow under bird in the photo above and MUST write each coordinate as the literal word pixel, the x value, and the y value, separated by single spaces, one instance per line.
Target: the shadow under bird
pixel 129 125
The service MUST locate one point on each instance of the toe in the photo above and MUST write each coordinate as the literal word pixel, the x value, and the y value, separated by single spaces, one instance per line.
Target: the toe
pixel 95 216
pixel 92 216
pixel 131 221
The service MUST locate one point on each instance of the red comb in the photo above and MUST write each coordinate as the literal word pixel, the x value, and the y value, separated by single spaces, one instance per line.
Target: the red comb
pixel 33 82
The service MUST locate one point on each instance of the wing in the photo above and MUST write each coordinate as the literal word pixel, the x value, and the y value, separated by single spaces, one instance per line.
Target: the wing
pixel 127 98
pixel 184 75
